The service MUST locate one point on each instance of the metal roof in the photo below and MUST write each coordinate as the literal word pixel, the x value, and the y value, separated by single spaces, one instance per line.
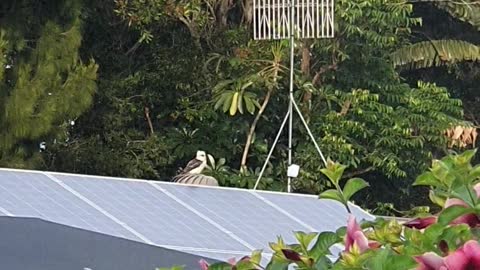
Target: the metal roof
pixel 32 243
pixel 215 222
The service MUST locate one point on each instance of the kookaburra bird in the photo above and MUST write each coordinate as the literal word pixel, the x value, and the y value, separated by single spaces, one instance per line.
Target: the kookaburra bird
pixel 196 165
pixel 191 174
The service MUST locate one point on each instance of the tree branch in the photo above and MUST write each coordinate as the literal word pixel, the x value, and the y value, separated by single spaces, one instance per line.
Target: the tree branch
pixel 316 79
pixel 243 163
pixel 149 120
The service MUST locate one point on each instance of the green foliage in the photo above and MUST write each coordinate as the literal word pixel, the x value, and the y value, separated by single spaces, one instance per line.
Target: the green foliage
pixel 44 84
pixel 467 11
pixel 452 176
pixel 334 172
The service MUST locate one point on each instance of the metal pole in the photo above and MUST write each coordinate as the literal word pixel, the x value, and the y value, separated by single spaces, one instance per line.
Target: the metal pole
pixel 271 149
pixel 310 133
pixel 290 103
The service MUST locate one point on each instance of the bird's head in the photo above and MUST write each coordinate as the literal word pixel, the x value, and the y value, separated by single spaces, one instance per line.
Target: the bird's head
pixel 201 155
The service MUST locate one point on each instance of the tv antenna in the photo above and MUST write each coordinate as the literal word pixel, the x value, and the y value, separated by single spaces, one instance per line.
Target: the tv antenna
pixel 292 19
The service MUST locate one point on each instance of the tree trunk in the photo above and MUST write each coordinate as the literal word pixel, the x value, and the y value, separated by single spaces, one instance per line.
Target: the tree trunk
pixel 221 12
pixel 194 32
pixel 243 164
pixel 247 16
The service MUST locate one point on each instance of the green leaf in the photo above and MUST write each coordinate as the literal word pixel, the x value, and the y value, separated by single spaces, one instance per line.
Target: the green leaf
pixel 221 162
pixel 249 104
pixel 305 239
pixel 220 266
pixel 240 103
pixel 438 200
pixel 228 101
pixel 474 173
pixel 380 260
pixel 401 262
pixel 334 171
pixel 433 232
pixel 323 263
pixel 220 101
pixel 353 186
pixel 427 179
pixel 324 241
pixel 256 256
pixel 451 213
pixel 463 192
pixel 466 157
pixel 332 194
pixel 277 265
pixel 222 85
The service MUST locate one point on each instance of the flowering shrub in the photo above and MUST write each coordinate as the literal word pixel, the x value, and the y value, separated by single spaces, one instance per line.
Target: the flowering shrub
pixel 445 241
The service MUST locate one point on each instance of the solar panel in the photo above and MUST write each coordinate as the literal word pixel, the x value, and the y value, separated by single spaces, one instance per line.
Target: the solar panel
pixel 154 215
pixel 322 215
pixel 239 212
pixel 36 195
pixel 217 223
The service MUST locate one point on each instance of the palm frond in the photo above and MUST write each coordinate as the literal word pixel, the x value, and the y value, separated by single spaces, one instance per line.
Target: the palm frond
pixel 466 10
pixel 435 53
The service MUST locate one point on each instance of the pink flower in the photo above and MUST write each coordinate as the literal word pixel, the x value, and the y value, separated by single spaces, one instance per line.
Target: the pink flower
pixel 430 261
pixel 203 264
pixel 465 258
pixel 355 236
pixel 421 223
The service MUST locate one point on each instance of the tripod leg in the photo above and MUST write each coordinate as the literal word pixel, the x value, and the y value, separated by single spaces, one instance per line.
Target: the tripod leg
pixel 309 132
pixel 271 149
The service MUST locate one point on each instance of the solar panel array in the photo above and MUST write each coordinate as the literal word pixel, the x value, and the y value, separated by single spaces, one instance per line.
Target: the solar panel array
pixel 214 222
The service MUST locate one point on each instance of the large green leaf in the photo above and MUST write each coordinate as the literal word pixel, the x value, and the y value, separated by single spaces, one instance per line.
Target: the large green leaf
pixel 332 194
pixel 305 239
pixel 474 173
pixel 380 260
pixel 427 179
pixel 451 213
pixel 353 186
pixel 324 241
pixel 435 53
pixel 401 262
